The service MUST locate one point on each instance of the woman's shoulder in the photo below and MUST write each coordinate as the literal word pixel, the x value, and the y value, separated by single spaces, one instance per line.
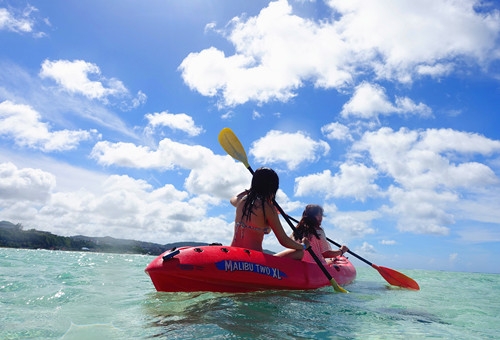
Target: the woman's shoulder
pixel 320 231
pixel 267 203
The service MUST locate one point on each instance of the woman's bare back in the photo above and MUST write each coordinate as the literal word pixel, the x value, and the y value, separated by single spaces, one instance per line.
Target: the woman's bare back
pixel 249 231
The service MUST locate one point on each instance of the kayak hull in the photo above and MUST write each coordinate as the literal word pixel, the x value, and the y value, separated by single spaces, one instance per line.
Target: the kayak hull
pixel 217 268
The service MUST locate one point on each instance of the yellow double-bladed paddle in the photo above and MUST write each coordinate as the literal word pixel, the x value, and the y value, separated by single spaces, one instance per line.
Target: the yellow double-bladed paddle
pixel 233 147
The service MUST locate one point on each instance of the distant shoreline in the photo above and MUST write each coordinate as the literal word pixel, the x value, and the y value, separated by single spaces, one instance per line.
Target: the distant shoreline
pixel 13 236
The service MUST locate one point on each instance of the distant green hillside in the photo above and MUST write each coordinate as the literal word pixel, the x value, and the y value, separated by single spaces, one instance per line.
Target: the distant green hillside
pixel 13 236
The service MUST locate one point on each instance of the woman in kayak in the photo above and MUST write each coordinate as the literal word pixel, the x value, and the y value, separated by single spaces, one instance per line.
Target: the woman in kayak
pixel 310 227
pixel 257 216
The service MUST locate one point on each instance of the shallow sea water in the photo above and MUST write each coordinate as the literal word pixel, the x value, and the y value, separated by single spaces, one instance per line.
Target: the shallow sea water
pixel 81 295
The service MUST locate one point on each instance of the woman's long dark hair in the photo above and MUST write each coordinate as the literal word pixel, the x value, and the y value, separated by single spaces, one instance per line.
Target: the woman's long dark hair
pixel 308 224
pixel 265 183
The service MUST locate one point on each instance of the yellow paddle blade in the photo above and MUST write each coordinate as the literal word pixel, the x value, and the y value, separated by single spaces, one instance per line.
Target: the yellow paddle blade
pixel 336 286
pixel 232 145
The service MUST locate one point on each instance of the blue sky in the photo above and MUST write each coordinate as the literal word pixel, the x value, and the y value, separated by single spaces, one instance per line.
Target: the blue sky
pixel 385 113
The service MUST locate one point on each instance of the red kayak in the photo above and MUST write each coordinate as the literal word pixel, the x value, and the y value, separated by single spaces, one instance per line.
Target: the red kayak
pixel 217 268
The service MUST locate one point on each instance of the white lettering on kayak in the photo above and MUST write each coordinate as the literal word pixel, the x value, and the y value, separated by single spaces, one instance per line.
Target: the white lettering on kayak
pixel 231 266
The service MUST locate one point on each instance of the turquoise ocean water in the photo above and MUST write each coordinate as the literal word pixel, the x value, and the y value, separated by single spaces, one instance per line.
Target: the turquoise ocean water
pixel 82 295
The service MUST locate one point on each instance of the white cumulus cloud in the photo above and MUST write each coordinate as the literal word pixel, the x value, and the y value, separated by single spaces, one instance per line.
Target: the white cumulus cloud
pixel 179 121
pixel 23 124
pixel 292 149
pixel 277 52
pixel 26 184
pixel 370 101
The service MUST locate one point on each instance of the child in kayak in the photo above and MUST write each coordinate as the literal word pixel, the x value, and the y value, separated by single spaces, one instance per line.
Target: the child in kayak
pixel 256 216
pixel 310 227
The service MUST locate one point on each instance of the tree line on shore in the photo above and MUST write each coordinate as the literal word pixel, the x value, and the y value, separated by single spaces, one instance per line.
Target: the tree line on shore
pixel 14 236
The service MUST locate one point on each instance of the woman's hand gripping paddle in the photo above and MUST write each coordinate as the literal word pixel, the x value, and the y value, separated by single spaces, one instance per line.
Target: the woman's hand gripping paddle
pixel 392 276
pixel 231 144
